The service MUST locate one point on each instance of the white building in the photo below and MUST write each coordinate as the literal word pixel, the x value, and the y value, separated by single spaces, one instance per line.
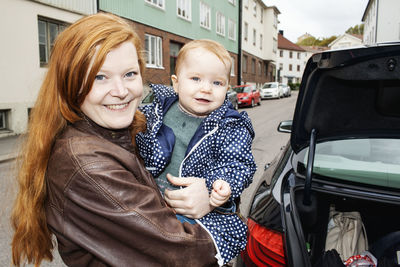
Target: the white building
pixel 346 40
pixel 28 30
pixel 291 61
pixel 259 42
pixel 381 21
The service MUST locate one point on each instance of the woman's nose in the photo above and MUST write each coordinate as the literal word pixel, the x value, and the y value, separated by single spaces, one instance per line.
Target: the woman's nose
pixel 119 89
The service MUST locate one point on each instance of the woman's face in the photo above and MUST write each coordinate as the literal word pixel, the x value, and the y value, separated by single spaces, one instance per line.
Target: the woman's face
pixel 117 89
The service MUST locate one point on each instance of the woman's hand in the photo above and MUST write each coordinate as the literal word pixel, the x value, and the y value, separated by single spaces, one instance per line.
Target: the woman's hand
pixel 193 201
pixel 220 193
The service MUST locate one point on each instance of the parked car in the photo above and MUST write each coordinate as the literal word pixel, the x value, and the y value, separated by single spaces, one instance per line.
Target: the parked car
pixel 248 95
pixel 232 96
pixel 271 90
pixel 343 153
pixel 285 90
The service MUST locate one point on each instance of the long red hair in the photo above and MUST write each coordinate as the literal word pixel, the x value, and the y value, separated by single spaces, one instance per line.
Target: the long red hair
pixel 70 76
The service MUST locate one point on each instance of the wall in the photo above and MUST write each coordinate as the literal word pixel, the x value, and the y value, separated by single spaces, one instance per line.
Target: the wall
pixel 20 66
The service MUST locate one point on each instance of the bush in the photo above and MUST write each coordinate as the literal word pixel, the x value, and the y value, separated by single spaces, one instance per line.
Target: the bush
pixel 294 86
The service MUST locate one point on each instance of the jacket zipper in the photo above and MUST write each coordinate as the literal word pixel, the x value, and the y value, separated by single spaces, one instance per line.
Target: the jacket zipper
pixel 218 255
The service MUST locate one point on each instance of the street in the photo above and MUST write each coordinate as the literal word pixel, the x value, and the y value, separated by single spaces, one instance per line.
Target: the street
pixel 267 144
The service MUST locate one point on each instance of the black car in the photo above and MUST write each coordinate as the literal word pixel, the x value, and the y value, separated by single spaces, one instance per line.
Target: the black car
pixel 343 154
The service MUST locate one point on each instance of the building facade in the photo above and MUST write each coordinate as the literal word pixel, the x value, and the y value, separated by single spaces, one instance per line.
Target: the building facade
pixel 259 42
pixel 291 61
pixel 346 40
pixel 165 26
pixel 381 21
pixel 30 32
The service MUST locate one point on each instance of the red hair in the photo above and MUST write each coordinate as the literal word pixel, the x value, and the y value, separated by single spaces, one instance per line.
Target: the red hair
pixel 70 76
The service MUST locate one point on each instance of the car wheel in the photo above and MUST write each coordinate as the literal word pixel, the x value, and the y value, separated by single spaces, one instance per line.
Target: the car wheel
pixel 252 103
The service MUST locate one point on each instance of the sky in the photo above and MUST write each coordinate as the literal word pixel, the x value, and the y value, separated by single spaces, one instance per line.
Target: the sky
pixel 320 18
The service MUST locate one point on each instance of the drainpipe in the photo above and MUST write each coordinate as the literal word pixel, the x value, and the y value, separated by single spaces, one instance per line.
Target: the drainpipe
pixel 376 27
pixel 239 75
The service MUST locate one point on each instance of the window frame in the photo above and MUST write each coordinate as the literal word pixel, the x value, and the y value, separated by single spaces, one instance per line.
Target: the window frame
pixel 231 29
pixel 205 10
pixel 185 5
pixel 254 37
pixel 158 51
pixel 220 23
pixel 232 66
pixel 244 63
pixel 246 31
pixel 48 43
pixel 156 5
pixel 4 119
pixel 261 41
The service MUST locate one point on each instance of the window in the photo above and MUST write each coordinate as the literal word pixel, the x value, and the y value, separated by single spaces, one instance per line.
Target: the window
pixel 281 53
pixel 261 15
pixel 275 21
pixel 205 16
pixel 153 47
pixel 4 119
pixel 298 67
pixel 220 24
pixel 246 31
pixel 233 66
pixel 233 2
pixel 231 30
pixel 254 36
pixel 157 3
pixel 280 66
pixel 259 67
pixel 244 64
pixel 261 41
pixel 290 54
pixel 274 45
pixel 184 9
pixel 253 66
pixel 298 55
pixel 290 67
pixel 254 8
pixel 48 31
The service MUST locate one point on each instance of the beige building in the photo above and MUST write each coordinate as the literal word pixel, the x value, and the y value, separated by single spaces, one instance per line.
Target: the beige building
pixel 346 40
pixel 28 30
pixel 259 42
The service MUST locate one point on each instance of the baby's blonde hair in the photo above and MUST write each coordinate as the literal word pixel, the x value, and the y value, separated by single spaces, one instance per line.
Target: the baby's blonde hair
pixel 209 45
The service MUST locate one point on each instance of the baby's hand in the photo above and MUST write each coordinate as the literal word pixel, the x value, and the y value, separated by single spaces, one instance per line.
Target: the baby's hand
pixel 220 193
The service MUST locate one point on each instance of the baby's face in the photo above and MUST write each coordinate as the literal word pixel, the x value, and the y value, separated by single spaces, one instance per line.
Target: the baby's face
pixel 201 82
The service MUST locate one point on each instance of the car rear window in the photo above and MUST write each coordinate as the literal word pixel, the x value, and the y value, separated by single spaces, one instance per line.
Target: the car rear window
pixel 370 161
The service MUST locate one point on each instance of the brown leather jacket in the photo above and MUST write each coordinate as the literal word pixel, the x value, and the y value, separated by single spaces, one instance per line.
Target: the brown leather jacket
pixel 105 208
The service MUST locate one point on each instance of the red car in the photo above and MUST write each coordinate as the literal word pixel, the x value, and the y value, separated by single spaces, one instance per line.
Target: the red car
pixel 247 95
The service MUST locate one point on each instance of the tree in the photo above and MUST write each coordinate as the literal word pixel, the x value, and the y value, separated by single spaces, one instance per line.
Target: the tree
pixel 358 29
pixel 309 41
pixel 327 41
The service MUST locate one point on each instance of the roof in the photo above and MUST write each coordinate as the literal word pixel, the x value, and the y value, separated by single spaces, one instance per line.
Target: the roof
pixel 284 43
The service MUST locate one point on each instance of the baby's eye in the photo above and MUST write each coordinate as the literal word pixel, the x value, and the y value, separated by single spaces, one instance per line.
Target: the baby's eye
pixel 100 77
pixel 130 74
pixel 217 83
pixel 196 79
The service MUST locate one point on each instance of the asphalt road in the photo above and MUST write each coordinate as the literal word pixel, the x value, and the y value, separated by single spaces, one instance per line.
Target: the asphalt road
pixel 267 144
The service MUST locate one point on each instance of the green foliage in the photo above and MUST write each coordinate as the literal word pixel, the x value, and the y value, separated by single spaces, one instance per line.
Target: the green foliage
pixel 358 29
pixel 312 41
pixel 294 86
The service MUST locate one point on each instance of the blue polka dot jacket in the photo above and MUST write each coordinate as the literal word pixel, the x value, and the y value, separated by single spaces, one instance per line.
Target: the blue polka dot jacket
pixel 219 149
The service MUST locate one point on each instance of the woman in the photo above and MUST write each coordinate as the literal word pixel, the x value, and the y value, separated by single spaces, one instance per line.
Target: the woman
pixel 80 177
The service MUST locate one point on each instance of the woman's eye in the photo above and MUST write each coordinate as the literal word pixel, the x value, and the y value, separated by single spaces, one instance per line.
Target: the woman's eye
pixel 130 74
pixel 100 77
pixel 196 79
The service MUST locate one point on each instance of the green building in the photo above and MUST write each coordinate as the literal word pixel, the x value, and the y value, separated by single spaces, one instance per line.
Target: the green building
pixel 165 26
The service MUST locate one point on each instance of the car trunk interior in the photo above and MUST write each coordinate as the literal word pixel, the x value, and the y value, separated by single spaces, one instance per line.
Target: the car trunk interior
pixel 378 218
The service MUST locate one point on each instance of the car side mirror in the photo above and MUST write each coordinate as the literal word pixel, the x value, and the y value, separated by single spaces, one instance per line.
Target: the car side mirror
pixel 285 126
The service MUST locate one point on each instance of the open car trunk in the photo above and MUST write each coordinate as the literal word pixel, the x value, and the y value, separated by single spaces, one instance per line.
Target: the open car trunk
pixel 379 218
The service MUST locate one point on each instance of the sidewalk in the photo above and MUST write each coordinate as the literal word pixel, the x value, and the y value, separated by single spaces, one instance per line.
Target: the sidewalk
pixel 9 147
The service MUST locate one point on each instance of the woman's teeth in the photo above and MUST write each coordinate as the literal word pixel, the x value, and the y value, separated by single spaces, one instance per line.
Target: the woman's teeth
pixel 117 107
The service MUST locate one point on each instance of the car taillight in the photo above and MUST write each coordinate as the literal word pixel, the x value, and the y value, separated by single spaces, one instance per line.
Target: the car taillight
pixel 264 247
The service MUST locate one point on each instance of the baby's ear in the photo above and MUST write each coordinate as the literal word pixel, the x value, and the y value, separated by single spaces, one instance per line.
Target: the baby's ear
pixel 174 79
